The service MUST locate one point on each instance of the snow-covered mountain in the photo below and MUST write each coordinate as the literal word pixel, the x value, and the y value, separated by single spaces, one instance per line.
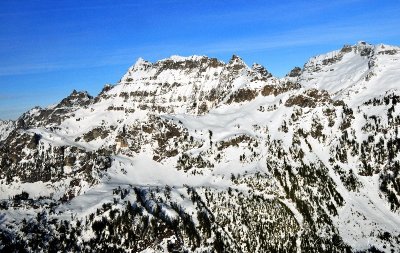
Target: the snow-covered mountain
pixel 191 154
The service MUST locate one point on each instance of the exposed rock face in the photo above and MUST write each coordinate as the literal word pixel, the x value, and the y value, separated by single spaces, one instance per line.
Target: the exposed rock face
pixel 310 98
pixel 295 72
pixel 191 154
pixel 54 115
pixel 262 71
pixel 275 90
pixel 242 95
pixel 191 85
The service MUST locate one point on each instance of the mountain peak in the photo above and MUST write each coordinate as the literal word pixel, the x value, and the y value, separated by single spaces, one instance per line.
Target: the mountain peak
pixel 236 60
pixel 187 62
pixel 140 61
pixel 354 71
pixel 260 69
pixel 178 58
pixel 76 98
pixel 362 43
pixel 141 64
pixel 236 63
pixel 295 72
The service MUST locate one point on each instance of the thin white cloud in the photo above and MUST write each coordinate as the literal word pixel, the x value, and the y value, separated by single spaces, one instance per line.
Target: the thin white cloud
pixel 312 35
pixel 345 31
pixel 278 11
pixel 116 57
pixel 66 8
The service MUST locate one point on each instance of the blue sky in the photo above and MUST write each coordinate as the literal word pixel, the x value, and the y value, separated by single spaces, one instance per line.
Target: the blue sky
pixel 49 48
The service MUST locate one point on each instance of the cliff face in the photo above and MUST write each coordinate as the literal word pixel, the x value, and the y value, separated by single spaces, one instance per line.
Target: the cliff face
pixel 193 154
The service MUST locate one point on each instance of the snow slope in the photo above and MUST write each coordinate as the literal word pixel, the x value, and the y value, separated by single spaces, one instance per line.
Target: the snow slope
pixel 354 73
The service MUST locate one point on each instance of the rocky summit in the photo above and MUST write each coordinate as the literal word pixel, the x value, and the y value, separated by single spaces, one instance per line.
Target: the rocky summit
pixel 192 154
